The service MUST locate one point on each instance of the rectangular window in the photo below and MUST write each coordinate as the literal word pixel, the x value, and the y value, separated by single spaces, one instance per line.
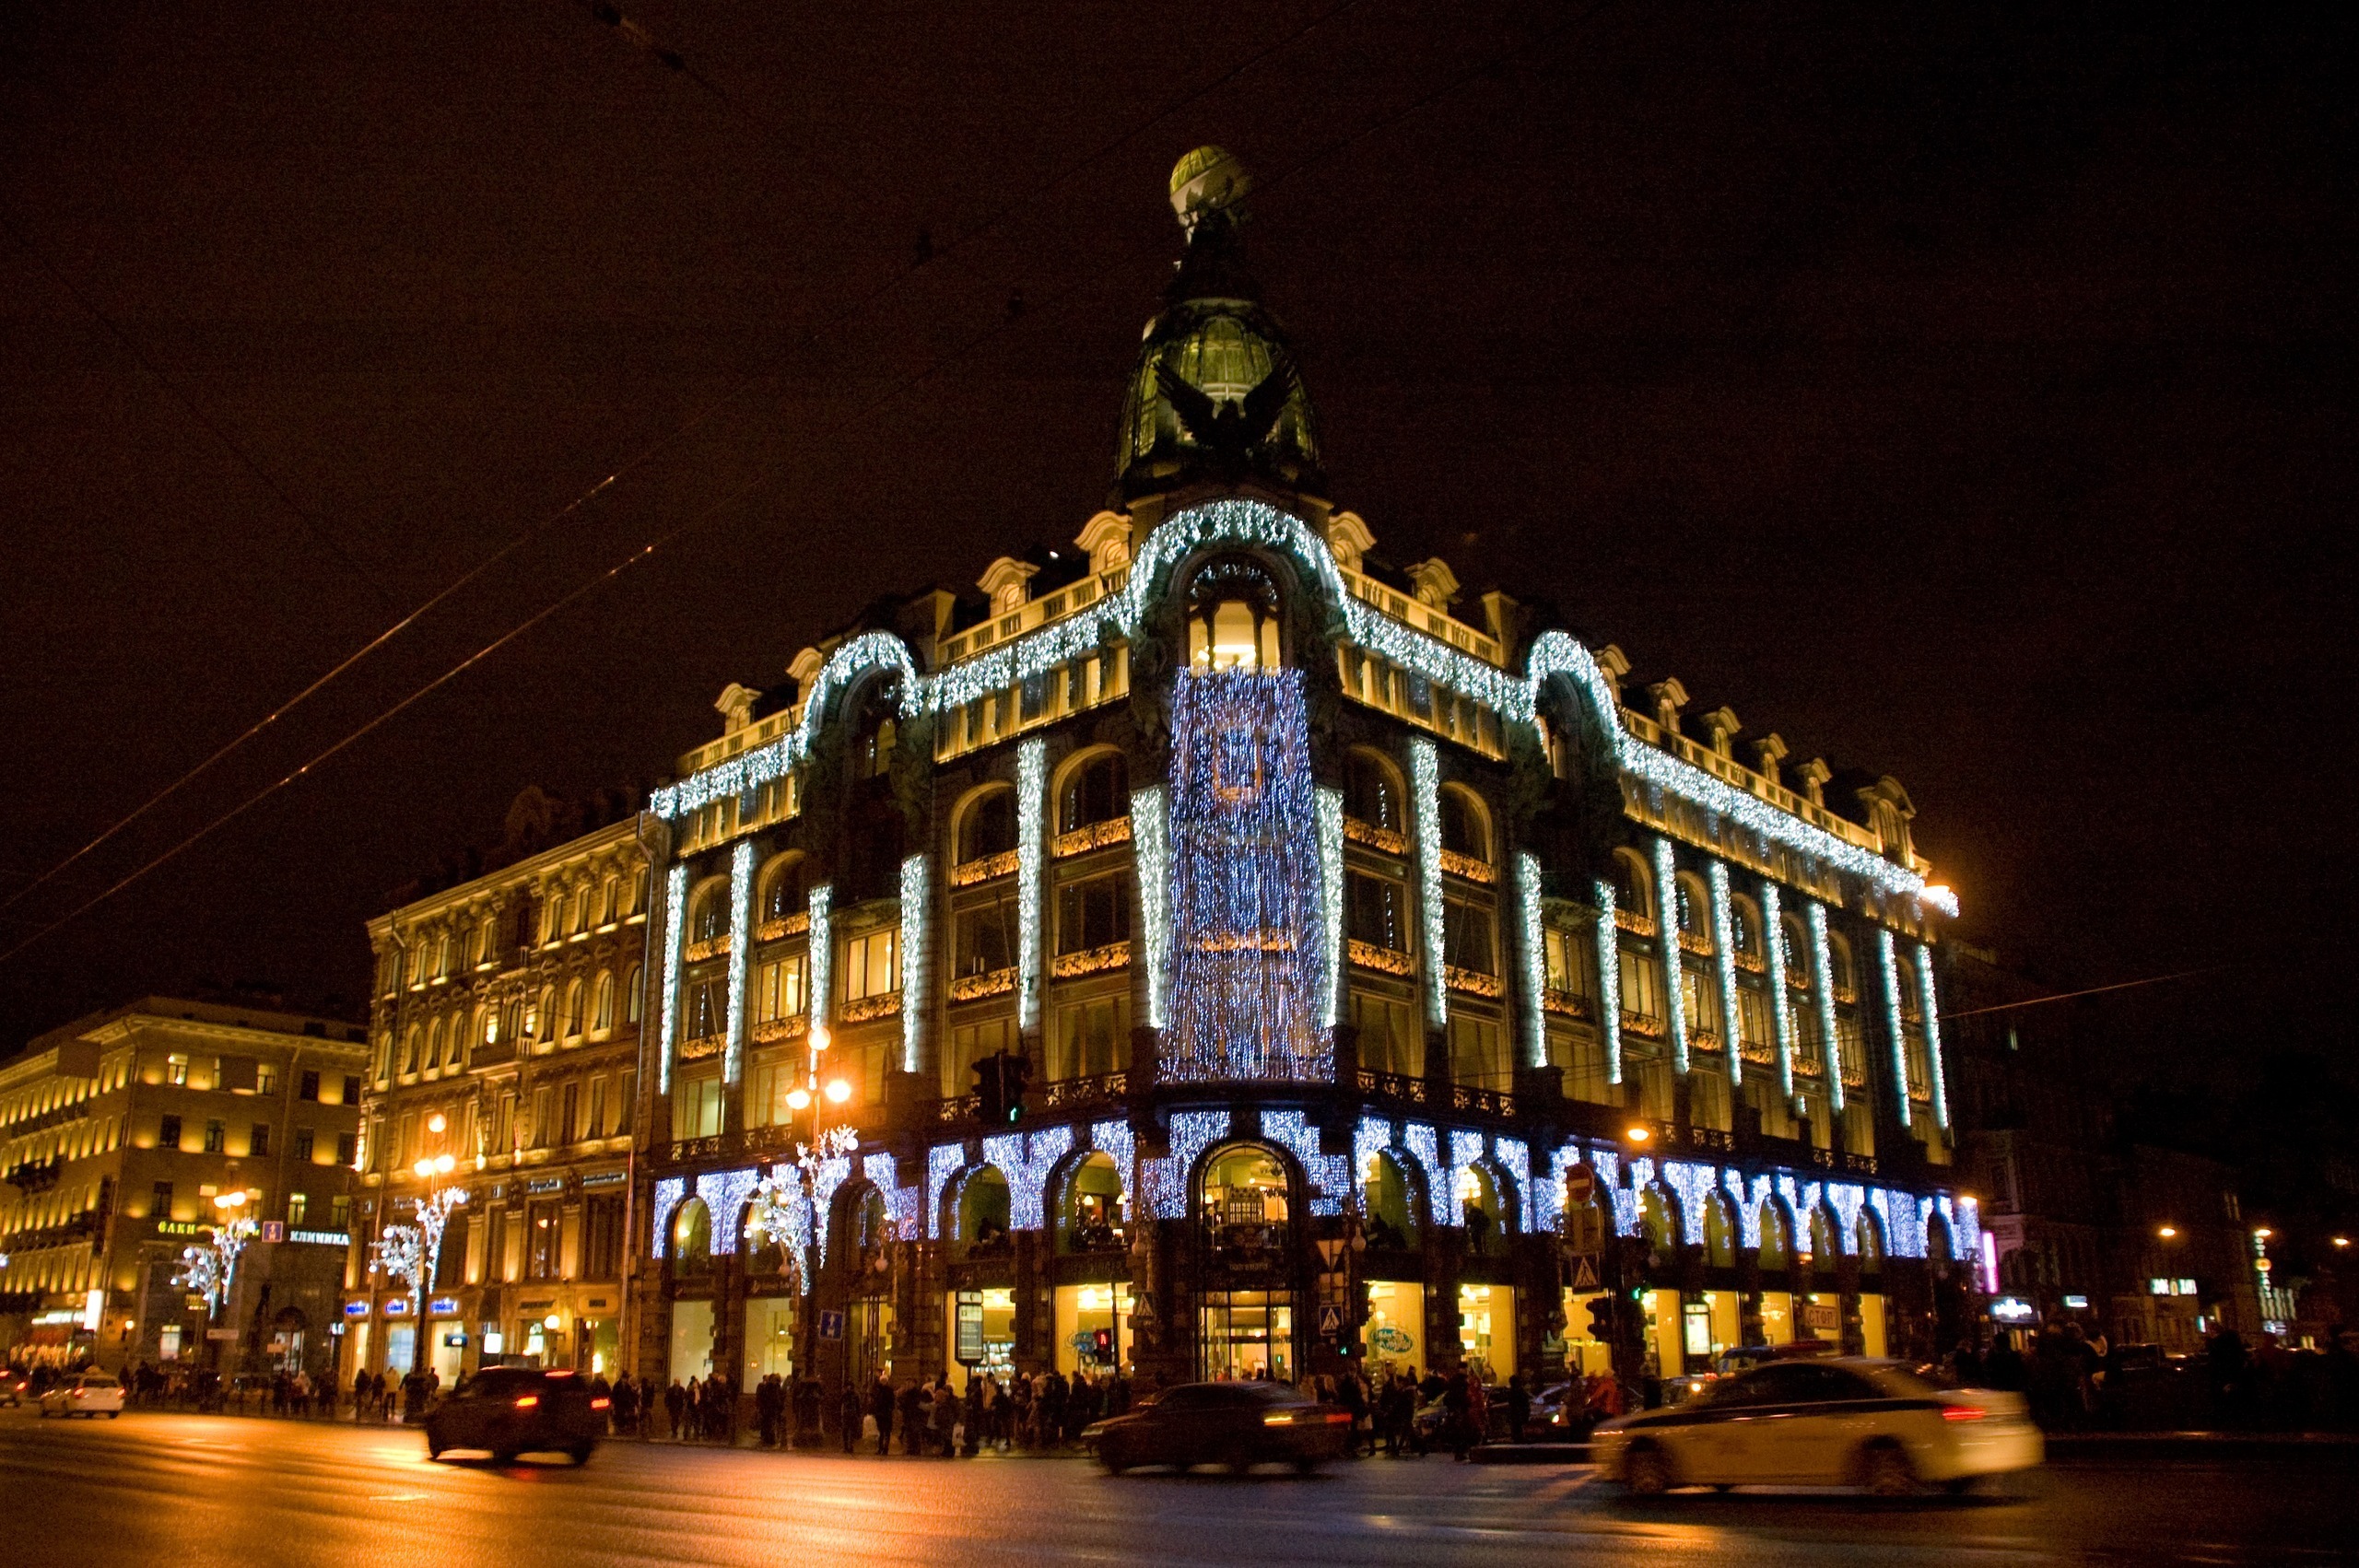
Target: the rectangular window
pixel 1707 1100
pixel 1093 1037
pixel 258 1141
pixel 778 989
pixel 340 1214
pixel 298 1205
pixel 168 1132
pixel 347 1149
pixel 265 1078
pixel 1393 1037
pixel 542 1103
pixel 569 1123
pixel 1582 1056
pixel 1572 961
pixel 351 1090
pixel 1641 985
pixel 707 1009
pixel 506 1141
pixel 970 1043
pixel 216 1136
pixel 1466 935
pixel 1374 911
pixel 602 1237
pixel 1093 913
pixel 303 1142
pixel 1476 1057
pixel 986 939
pixel 597 1128
pixel 1858 1128
pixel 545 1232
pixel 308 1086
pixel 873 965
pixel 176 1069
pixel 160 1201
pixel 623 1101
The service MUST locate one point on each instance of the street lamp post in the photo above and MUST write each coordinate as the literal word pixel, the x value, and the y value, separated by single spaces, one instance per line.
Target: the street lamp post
pixel 413 1253
pixel 774 1199
pixel 210 1268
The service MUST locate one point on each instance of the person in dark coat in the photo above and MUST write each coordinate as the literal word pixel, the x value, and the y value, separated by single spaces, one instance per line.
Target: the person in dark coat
pixel 676 1404
pixel 1519 1403
pixel 916 1406
pixel 880 1405
pixel 849 1412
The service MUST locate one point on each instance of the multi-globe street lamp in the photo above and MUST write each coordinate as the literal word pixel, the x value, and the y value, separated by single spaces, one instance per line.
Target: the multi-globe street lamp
pixel 776 1198
pixel 413 1253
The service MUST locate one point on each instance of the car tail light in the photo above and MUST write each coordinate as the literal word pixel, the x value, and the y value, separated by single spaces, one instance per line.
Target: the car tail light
pixel 1277 1420
pixel 600 1404
pixel 1963 1412
pixel 1340 1418
pixel 528 1401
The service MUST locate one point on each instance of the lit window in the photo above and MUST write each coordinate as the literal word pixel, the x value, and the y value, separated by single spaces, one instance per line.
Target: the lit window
pixel 873 965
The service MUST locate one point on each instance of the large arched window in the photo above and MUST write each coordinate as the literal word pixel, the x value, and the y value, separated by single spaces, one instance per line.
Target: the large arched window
pixel 1776 1239
pixel 983 1209
pixel 1090 1219
pixel 1095 791
pixel 1484 1212
pixel 1243 1199
pixel 1371 792
pixel 1465 825
pixel 781 887
pixel 1633 888
pixel 1389 1202
pixel 1656 1227
pixel 1695 917
pixel 709 911
pixel 1744 933
pixel 691 1240
pixel 1720 1234
pixel 1839 970
pixel 987 828
pixel 1232 616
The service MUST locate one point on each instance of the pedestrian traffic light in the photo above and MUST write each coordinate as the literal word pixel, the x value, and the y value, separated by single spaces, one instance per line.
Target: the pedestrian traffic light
pixel 1101 1346
pixel 1601 1319
pixel 1016 1071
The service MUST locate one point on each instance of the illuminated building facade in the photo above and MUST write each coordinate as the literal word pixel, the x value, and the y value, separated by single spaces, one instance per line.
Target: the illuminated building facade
pixel 1394 981
pixel 127 1136
pixel 504 1037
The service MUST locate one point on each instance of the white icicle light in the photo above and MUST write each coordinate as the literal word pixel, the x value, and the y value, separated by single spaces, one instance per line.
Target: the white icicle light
pixel 1329 805
pixel 1932 1035
pixel 1773 936
pixel 1723 934
pixel 1674 999
pixel 1151 841
pixel 822 953
pixel 1888 963
pixel 741 941
pixel 1515 698
pixel 676 898
pixel 1823 988
pixel 1534 953
pixel 1609 980
pixel 914 969
pixel 1031 810
pixel 1425 785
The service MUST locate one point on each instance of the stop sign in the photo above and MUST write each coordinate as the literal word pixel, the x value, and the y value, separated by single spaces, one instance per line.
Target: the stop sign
pixel 1580 1185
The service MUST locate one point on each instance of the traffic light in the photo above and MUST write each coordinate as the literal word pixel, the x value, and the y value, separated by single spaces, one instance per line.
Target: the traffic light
pixel 1015 1072
pixel 999 1088
pixel 1601 1320
pixel 1101 1346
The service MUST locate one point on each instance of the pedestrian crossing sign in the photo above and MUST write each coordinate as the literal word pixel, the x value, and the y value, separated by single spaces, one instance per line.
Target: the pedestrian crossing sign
pixel 1331 1322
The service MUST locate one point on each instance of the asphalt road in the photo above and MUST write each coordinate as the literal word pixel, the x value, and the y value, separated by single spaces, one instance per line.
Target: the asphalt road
pixel 204 1492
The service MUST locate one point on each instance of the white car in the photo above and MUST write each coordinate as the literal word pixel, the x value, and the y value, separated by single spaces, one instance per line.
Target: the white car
pixel 1822 1423
pixel 84 1394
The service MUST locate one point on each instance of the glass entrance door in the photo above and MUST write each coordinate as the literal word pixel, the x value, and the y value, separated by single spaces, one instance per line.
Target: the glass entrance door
pixel 1248 1334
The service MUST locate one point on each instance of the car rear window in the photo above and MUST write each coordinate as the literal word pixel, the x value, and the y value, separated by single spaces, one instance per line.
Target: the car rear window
pixel 96 1380
pixel 499 1382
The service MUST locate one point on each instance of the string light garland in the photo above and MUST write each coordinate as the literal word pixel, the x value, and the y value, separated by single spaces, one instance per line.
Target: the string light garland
pixel 1150 837
pixel 1031 824
pixel 1773 931
pixel 1164 1182
pixel 1670 899
pixel 821 953
pixel 740 945
pixel 725 1194
pixel 1888 972
pixel 1245 876
pixel 1823 992
pixel 943 1161
pixel 917 969
pixel 1238 520
pixel 1609 979
pixel 1514 1157
pixel 827 1172
pixel 1694 1185
pixel 1724 944
pixel 1846 1198
pixel 1424 788
pixel 1025 1159
pixel 1532 937
pixel 1330 803
pixel 1113 1139
pixel 1925 1000
pixel 1420 1140
pixel 884 1173
pixel 1748 1205
pixel 676 896
pixel 670 1193
pixel 1329 1177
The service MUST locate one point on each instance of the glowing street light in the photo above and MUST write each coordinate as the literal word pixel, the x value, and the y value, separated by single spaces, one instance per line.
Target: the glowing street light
pixel 1637 1134
pixel 838 1091
pixel 2166 1232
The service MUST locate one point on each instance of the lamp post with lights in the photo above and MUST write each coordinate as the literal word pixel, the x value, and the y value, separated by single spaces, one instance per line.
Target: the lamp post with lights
pixel 413 1253
pixel 775 1200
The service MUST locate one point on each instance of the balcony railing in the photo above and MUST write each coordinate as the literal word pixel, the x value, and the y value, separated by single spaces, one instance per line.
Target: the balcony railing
pixel 1383 960
pixel 1091 961
pixel 1391 841
pixel 988 868
pixel 1468 867
pixel 975 988
pixel 1474 982
pixel 780 928
pixel 1095 836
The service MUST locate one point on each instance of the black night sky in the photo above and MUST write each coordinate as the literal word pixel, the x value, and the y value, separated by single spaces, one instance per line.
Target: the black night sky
pixel 1963 393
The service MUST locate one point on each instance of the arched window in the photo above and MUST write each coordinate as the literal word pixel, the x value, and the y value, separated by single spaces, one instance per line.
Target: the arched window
pixel 1695 916
pixel 1091 1218
pixel 1720 1234
pixel 1465 826
pixel 983 1209
pixel 1371 794
pixel 709 912
pixel 603 1015
pixel 608 891
pixel 1232 616
pixel 1656 1225
pixel 1634 886
pixel 581 909
pixel 1483 1213
pixel 1745 931
pixel 873 1224
pixel 573 1011
pixel 1096 791
pixel 411 1047
pixel 781 887
pixel 1870 1243
pixel 1243 1200
pixel 1823 1250
pixel 434 1045
pixel 1777 1243
pixel 691 1240
pixel 1389 1202
pixel 630 995
pixel 1838 965
pixel 988 826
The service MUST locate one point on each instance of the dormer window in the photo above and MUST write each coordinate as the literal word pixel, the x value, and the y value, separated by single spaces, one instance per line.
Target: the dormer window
pixel 1233 618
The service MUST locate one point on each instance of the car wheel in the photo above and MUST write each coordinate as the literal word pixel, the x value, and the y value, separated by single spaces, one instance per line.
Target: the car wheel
pixel 580 1453
pixel 1884 1470
pixel 1114 1467
pixel 1306 1467
pixel 1646 1471
pixel 503 1455
pixel 114 1414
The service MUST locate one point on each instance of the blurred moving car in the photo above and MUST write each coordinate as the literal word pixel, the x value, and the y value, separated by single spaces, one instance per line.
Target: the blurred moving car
pixel 13 1385
pixel 1847 1422
pixel 1236 1425
pixel 507 1410
pixel 92 1393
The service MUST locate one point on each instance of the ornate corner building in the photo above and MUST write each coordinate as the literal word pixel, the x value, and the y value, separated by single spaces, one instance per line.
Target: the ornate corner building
pixel 1392 982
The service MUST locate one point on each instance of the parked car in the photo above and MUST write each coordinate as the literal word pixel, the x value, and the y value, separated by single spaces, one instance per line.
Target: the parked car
pixel 1847 1422
pixel 84 1394
pixel 1236 1425
pixel 507 1410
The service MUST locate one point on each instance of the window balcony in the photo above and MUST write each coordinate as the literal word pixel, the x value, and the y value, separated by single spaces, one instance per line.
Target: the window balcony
pixel 990 983
pixel 990 868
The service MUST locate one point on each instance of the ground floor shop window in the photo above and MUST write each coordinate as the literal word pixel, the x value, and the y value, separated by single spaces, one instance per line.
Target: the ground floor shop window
pixel 1393 1338
pixel 1248 1334
pixel 401 1347
pixel 1776 1317
pixel 691 1340
pixel 870 1327
pixel 1662 1333
pixel 1818 1315
pixel 449 1352
pixel 1486 1331
pixel 1092 1328
pixel 983 1333
pixel 1872 1334
pixel 770 1337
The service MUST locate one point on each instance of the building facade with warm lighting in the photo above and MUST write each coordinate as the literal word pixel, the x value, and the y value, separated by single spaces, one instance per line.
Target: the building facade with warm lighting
pixel 504 1041
pixel 1398 976
pixel 126 1135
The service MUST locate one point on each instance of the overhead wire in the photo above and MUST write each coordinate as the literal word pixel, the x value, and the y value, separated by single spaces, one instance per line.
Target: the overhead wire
pixel 1488 65
pixel 641 38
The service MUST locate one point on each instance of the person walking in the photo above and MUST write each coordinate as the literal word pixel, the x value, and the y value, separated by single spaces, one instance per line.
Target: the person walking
pixel 880 1405
pixel 675 1403
pixel 1519 1403
pixel 849 1412
pixel 1458 1413
pixel 972 1415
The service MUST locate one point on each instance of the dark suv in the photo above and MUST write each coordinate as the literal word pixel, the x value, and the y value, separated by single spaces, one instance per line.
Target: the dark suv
pixel 508 1410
